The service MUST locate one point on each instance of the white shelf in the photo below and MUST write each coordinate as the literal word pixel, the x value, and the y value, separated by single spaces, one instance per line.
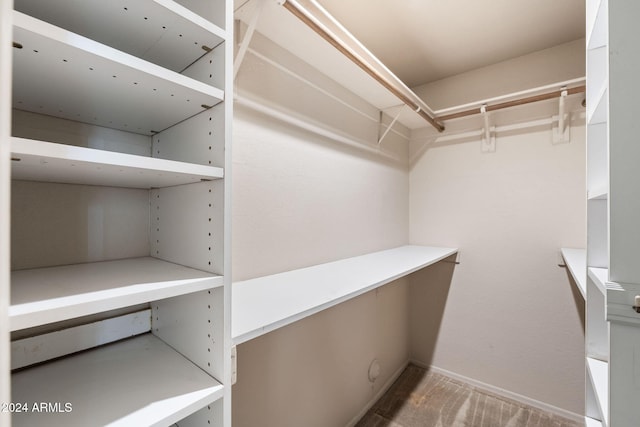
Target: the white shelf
pixel 65 75
pixel 590 422
pixel 159 31
pixel 600 277
pixel 45 295
pixel 51 162
pixel 599 376
pixel 598 114
pixel 601 193
pixel 597 31
pixel 576 260
pixel 140 381
pixel 267 303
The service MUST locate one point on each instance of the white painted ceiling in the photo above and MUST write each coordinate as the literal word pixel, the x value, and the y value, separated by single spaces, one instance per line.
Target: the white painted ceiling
pixel 420 40
pixel 426 40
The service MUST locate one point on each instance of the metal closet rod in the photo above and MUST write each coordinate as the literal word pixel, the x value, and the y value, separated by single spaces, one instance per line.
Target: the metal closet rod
pixel 514 103
pixel 307 19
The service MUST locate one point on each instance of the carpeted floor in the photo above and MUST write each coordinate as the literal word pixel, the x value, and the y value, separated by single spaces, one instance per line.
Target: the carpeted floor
pixel 420 398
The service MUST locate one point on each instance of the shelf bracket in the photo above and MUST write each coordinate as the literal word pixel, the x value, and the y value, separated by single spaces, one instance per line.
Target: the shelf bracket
pixel 561 131
pixel 488 134
pixel 393 122
pixel 244 45
pixel 234 365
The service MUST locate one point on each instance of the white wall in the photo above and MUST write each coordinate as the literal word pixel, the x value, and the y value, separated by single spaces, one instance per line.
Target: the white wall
pixel 510 317
pixel 548 66
pixel 301 199
pixel 313 373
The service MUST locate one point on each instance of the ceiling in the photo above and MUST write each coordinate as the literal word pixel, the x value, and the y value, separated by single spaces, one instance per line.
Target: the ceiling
pixel 426 40
pixel 421 41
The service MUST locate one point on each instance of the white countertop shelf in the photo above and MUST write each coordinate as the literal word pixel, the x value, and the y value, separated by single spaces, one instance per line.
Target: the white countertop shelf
pixel 51 162
pixel 135 382
pixel 576 260
pixel 600 276
pixel 62 74
pixel 599 377
pixel 160 31
pixel 267 303
pixel 45 295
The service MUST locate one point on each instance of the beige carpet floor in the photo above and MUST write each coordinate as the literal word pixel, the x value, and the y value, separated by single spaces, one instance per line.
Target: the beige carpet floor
pixel 420 398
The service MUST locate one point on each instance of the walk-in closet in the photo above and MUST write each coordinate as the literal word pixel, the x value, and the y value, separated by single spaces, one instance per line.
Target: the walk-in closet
pixel 319 213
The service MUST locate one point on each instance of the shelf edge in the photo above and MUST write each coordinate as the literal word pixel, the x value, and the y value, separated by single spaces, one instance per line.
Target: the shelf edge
pixel 576 261
pixel 599 276
pixel 246 335
pixel 97 157
pixel 92 47
pixel 36 313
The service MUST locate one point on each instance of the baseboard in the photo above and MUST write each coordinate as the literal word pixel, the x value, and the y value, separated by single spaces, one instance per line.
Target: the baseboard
pixel 505 393
pixel 378 395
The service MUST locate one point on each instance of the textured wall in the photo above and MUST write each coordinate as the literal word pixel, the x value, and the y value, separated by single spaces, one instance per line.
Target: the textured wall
pixel 510 317
pixel 302 199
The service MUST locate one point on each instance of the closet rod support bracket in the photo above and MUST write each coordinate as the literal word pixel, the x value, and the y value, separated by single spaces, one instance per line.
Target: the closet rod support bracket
pixel 388 129
pixel 488 144
pixel 244 44
pixel 561 131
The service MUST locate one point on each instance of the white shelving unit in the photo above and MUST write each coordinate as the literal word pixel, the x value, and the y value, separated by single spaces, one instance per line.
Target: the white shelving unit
pixel 597 329
pixel 613 207
pixel 119 148
pixel 267 303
